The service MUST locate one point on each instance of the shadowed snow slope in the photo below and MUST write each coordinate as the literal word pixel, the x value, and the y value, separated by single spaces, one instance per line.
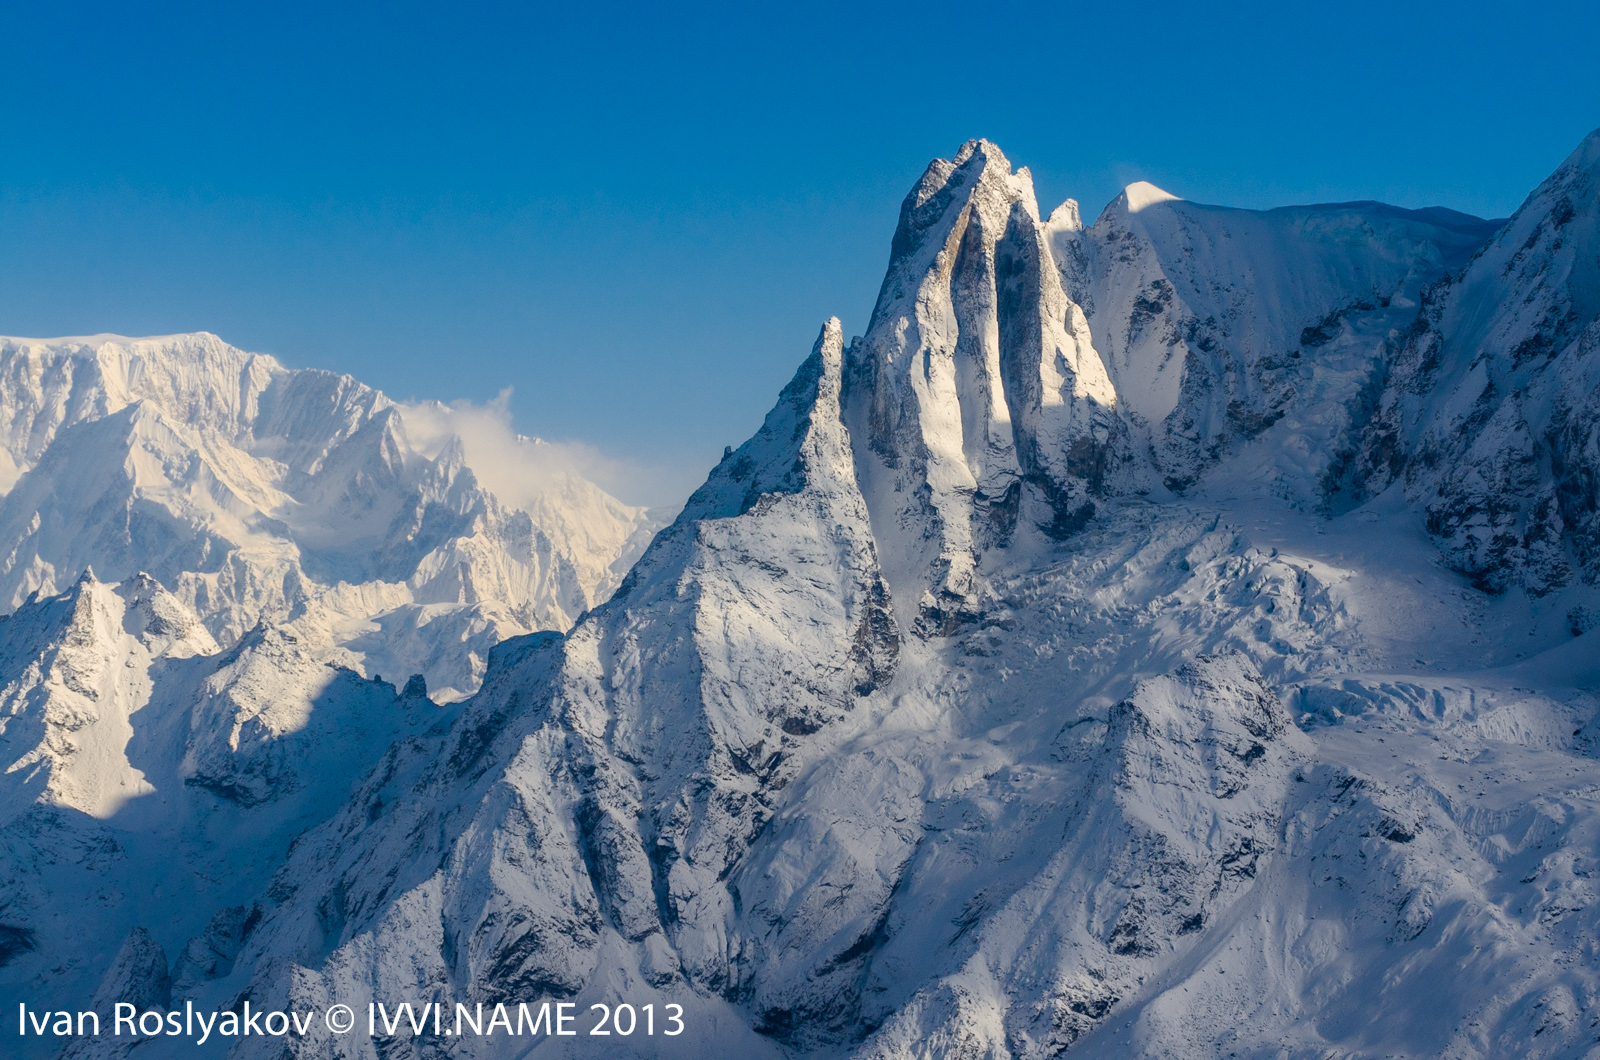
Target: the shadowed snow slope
pixel 1109 654
pixel 1490 417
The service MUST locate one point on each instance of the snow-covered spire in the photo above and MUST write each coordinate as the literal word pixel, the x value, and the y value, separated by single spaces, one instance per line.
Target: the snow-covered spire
pixel 976 381
pixel 801 437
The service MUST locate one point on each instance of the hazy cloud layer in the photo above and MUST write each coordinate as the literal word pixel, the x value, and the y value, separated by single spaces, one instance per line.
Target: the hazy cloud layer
pixel 517 467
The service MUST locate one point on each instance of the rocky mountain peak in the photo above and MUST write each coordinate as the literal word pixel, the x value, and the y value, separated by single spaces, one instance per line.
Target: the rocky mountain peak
pixel 979 177
pixel 976 382
pixel 78 668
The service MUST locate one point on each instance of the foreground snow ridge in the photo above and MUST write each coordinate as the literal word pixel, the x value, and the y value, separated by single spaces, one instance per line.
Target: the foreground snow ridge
pixel 1168 637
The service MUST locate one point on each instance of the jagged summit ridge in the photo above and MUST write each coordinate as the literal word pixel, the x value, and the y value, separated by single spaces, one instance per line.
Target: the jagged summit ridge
pixel 976 386
pixel 1018 372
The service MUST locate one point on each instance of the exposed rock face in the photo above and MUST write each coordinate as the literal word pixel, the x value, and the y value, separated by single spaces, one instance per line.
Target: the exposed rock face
pixel 138 976
pixel 977 389
pixel 1064 668
pixel 1490 417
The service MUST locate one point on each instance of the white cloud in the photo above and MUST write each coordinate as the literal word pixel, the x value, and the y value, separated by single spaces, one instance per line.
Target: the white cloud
pixel 517 468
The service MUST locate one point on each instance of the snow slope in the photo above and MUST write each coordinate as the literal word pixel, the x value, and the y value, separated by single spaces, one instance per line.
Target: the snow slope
pixel 153 778
pixel 1216 323
pixel 1085 661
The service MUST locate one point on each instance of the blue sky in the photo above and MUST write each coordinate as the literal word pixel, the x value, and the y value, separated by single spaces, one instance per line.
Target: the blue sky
pixel 637 217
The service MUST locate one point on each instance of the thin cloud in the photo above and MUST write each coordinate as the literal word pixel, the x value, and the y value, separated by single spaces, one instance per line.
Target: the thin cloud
pixel 519 468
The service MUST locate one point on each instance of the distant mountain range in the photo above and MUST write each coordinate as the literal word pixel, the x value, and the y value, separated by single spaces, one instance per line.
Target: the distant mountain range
pixel 260 494
pixel 1171 637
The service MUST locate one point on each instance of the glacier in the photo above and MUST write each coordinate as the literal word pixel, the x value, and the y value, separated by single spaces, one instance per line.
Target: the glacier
pixel 1168 636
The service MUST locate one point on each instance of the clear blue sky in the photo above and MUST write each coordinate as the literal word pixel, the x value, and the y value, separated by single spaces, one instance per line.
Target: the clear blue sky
pixel 638 216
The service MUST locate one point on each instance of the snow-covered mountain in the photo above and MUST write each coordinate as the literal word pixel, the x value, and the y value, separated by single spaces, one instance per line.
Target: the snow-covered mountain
pixel 153 778
pixel 1490 417
pixel 1170 637
pixel 259 494
pixel 210 562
